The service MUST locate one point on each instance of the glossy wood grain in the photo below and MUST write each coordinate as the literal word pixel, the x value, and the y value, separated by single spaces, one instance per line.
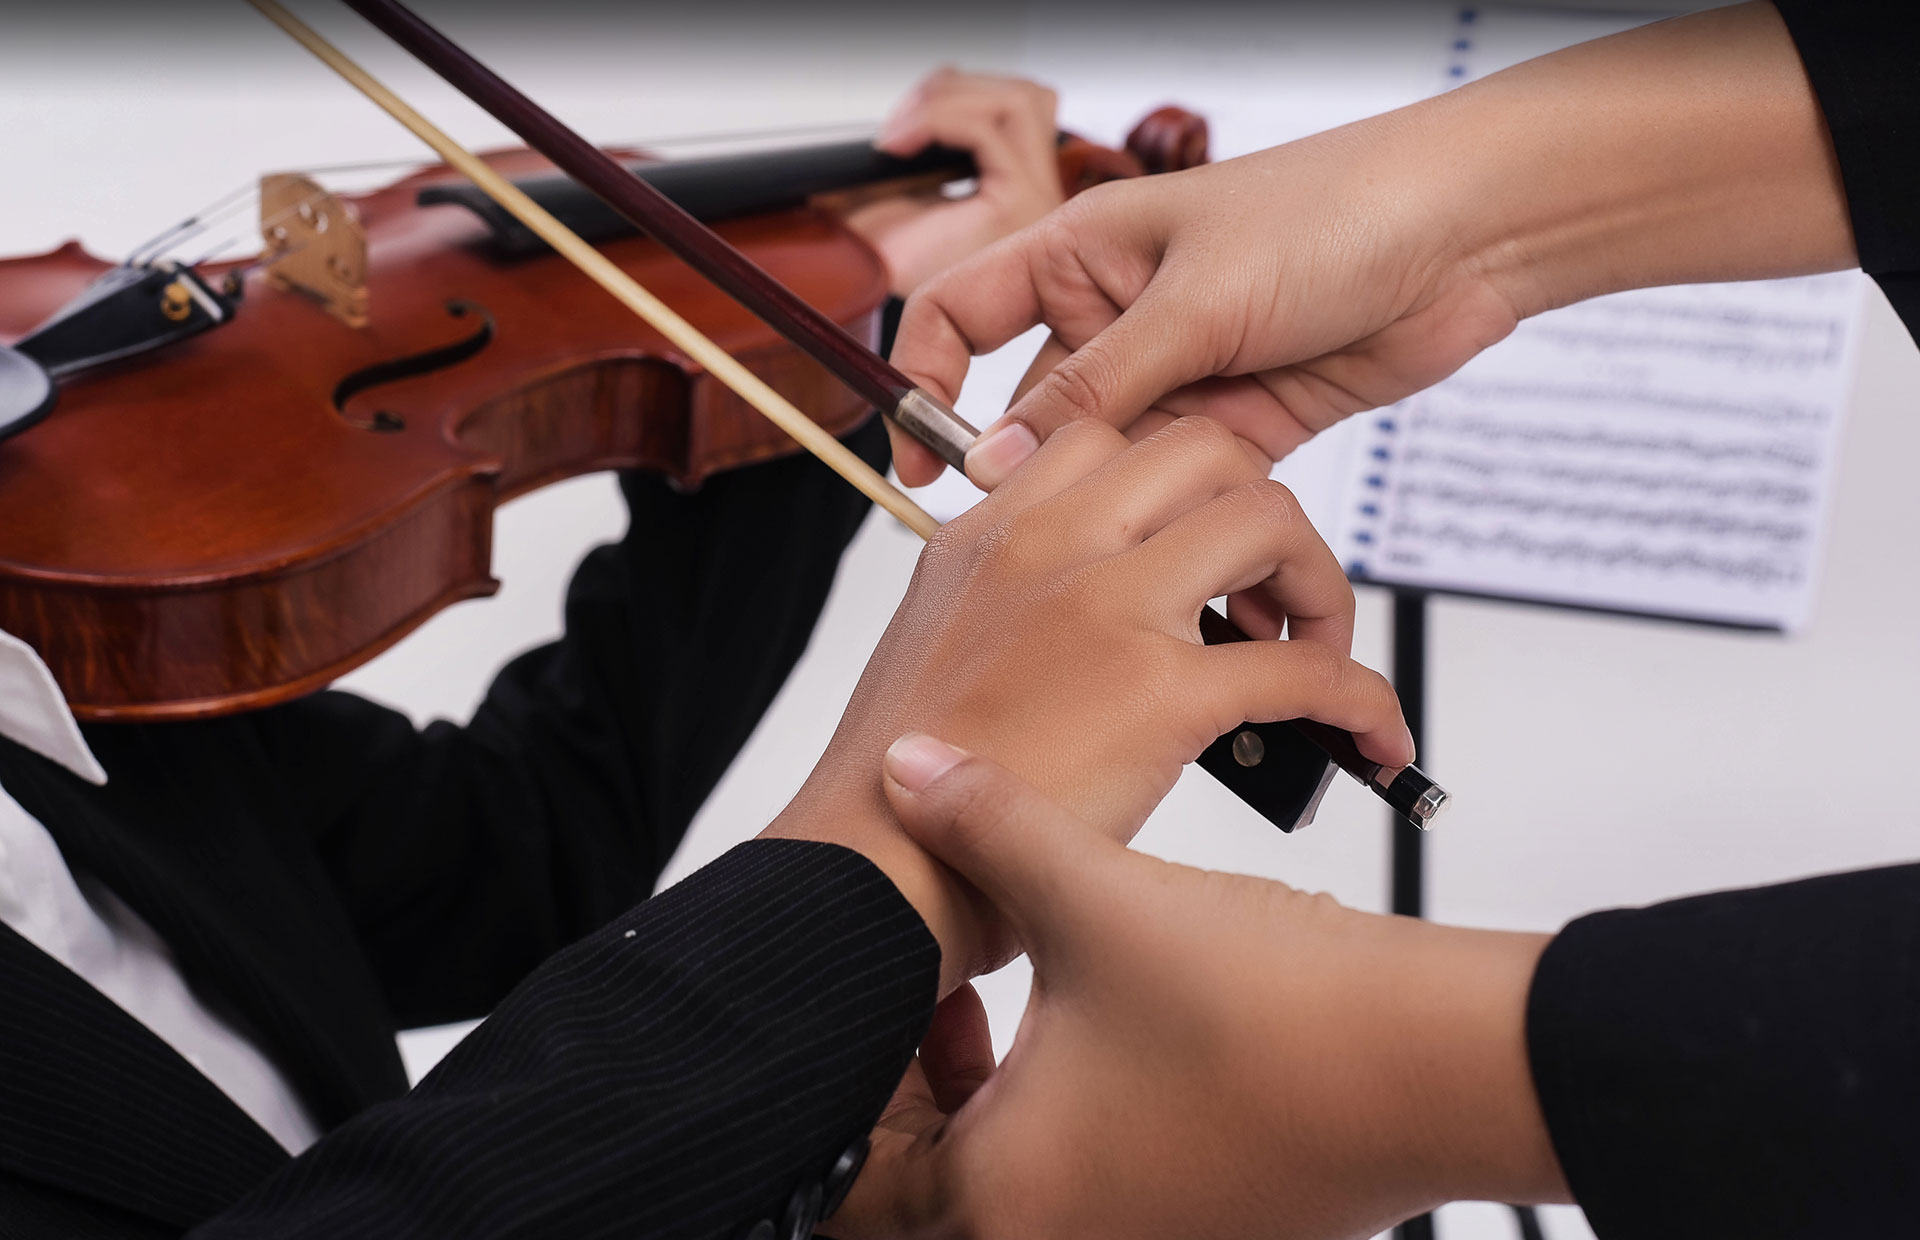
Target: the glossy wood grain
pixel 199 530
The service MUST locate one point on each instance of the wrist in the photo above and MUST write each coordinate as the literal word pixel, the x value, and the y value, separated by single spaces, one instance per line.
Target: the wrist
pixel 959 918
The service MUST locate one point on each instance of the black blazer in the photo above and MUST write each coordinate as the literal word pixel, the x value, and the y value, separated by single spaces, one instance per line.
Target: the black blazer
pixel 328 874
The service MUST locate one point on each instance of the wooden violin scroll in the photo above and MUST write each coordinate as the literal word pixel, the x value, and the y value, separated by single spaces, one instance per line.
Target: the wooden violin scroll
pixel 1168 139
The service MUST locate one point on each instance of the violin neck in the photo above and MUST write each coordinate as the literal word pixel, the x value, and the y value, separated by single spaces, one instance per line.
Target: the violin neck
pixel 713 188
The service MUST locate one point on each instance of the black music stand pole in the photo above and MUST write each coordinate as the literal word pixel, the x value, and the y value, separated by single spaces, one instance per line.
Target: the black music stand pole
pixel 1408 850
pixel 1409 675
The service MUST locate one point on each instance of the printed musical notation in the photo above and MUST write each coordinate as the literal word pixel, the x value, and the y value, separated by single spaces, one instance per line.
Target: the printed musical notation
pixel 1666 451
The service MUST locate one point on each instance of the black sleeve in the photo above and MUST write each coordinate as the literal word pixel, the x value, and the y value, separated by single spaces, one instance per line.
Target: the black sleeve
pixel 1744 1064
pixel 1863 58
pixel 694 1067
pixel 467 855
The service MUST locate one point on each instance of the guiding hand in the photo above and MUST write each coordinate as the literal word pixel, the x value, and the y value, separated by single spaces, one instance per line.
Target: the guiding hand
pixel 1277 293
pixel 1203 1054
pixel 1055 626
pixel 1285 290
pixel 1007 124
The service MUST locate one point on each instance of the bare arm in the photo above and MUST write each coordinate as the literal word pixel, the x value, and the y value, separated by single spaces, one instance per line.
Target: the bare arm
pixel 1288 289
pixel 1685 151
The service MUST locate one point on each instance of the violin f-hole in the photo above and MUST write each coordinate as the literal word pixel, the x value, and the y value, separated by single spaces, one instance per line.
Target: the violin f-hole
pixel 395 369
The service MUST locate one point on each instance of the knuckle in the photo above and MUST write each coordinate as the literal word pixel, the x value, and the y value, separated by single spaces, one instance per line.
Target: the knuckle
pixel 1057 255
pixel 996 548
pixel 1078 385
pixel 1269 504
pixel 1086 435
pixel 1211 439
pixel 1378 689
pixel 1319 666
pixel 1087 208
pixel 1349 602
pixel 1006 560
pixel 951 541
pixel 1280 497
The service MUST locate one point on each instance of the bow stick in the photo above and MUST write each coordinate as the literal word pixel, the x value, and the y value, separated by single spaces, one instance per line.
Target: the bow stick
pixel 1293 754
pixel 658 315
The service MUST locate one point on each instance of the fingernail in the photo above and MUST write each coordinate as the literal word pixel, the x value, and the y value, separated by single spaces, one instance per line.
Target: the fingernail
pixel 1408 740
pixel 916 760
pixel 992 461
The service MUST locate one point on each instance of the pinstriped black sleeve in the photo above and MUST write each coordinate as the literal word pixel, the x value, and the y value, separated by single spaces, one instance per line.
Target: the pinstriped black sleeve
pixel 676 1074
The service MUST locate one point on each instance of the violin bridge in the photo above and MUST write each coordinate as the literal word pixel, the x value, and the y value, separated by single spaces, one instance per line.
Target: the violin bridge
pixel 315 245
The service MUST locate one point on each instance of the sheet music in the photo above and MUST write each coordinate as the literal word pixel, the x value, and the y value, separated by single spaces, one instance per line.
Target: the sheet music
pixel 1667 451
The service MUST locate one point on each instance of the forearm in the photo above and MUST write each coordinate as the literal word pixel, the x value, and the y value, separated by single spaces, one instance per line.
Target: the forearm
pixel 1460 1024
pixel 1688 150
pixel 1423 1067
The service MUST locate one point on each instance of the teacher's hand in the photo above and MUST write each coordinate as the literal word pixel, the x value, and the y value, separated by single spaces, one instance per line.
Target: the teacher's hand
pixel 1203 1054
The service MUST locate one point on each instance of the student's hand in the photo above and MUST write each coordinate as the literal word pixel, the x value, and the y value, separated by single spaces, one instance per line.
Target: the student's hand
pixel 1285 290
pixel 1202 1055
pixel 1055 626
pixel 1008 125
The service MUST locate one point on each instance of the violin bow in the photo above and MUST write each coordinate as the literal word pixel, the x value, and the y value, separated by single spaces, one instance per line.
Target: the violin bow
pixel 623 287
pixel 1280 769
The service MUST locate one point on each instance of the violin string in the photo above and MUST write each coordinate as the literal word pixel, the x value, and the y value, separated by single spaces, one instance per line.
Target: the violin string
pixel 226 204
pixel 204 227
pixel 267 222
pixel 216 212
pixel 190 226
pixel 187 230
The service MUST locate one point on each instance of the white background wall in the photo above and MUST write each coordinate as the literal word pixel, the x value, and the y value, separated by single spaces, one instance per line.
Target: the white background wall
pixel 1596 761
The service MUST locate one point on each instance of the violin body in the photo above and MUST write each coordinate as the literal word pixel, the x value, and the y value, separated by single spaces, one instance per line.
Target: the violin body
pixel 207 532
pixel 245 514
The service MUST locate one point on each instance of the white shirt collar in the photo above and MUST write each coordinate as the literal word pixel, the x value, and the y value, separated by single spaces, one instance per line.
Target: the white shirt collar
pixel 33 711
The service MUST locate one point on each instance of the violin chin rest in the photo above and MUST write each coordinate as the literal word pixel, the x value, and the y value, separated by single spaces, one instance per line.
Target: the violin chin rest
pixel 27 392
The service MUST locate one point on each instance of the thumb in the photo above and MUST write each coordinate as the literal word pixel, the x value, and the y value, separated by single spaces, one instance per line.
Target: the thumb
pixel 1037 862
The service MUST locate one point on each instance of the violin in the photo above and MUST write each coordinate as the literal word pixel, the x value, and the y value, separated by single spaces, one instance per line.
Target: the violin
pixel 327 463
pixel 225 485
